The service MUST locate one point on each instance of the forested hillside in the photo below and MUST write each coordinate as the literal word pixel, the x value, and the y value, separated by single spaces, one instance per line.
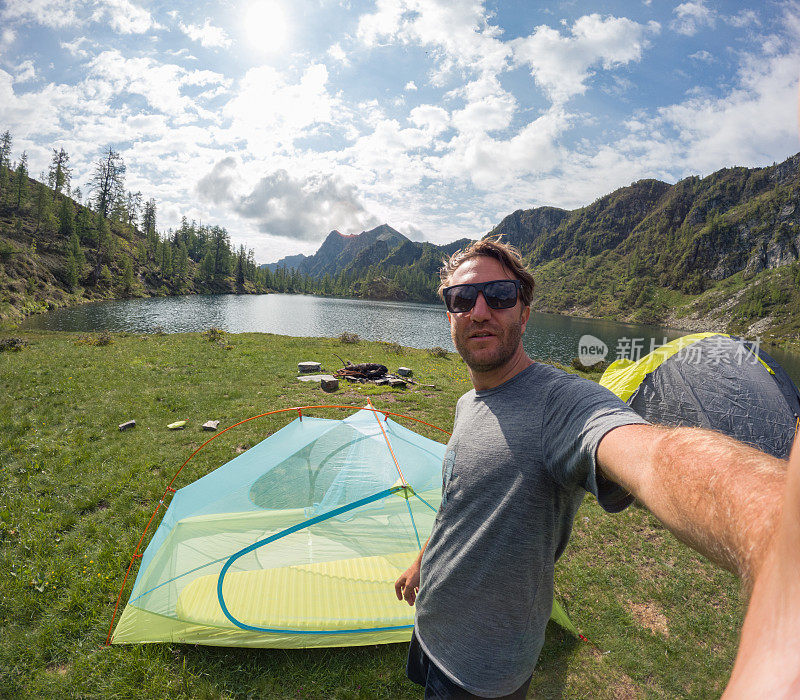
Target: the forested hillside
pixel 57 248
pixel 719 252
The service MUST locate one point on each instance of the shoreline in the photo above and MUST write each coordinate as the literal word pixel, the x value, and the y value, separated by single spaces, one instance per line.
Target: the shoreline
pixel 689 323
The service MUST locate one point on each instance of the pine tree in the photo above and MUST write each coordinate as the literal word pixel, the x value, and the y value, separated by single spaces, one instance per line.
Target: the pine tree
pixel 240 263
pixel 127 276
pixel 207 268
pixel 71 272
pixel 60 173
pixel 5 162
pixel 40 202
pixel 66 218
pixel 77 251
pixel 149 218
pixel 22 179
pixel 108 180
pixel 75 262
pixel 133 203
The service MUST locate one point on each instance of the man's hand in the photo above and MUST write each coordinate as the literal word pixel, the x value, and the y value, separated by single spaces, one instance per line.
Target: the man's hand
pixel 407 585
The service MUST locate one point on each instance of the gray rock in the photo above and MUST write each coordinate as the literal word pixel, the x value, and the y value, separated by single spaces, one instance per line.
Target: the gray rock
pixel 210 425
pixel 127 425
pixel 329 384
pixel 381 382
pixel 313 377
pixel 398 383
pixel 309 366
pixel 404 371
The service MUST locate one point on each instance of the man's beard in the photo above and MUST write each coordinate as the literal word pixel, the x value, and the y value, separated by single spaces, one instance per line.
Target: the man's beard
pixel 508 341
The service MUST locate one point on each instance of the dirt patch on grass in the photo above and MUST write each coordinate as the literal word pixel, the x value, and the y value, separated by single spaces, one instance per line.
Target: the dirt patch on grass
pixel 625 689
pixel 101 505
pixel 650 617
pixel 241 448
pixel 57 669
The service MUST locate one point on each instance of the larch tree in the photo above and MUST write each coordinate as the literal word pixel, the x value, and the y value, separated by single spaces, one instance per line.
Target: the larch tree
pixel 5 161
pixel 60 173
pixel 108 180
pixel 22 178
pixel 133 203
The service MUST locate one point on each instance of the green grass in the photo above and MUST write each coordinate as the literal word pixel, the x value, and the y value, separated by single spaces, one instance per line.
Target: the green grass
pixel 75 494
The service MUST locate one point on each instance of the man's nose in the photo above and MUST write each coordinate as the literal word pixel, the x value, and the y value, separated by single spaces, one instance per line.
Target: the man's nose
pixel 481 311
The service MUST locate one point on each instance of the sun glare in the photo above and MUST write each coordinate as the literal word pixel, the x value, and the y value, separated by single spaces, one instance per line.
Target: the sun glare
pixel 265 25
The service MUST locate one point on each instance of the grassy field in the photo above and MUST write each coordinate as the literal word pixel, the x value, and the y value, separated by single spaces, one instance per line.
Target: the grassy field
pixel 75 494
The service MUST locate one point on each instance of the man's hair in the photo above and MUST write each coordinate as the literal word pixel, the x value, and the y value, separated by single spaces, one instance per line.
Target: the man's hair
pixel 507 255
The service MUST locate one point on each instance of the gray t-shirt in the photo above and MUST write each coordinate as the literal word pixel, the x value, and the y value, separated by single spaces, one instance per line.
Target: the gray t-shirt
pixel 519 462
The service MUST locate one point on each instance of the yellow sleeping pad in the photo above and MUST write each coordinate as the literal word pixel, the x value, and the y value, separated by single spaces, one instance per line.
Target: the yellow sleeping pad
pixel 353 593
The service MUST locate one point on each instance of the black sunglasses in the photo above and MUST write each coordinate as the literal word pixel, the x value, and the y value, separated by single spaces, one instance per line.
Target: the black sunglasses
pixel 499 294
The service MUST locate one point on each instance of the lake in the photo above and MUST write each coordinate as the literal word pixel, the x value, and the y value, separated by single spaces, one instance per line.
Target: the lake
pixel 548 336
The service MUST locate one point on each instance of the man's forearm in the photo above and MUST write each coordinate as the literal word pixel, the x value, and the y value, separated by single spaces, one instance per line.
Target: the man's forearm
pixel 719 496
pixel 418 560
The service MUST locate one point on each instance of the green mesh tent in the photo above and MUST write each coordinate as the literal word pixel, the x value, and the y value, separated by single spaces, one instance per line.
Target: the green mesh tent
pixel 295 543
pixel 716 381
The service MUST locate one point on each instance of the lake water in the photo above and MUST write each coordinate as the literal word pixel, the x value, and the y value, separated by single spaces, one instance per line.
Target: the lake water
pixel 548 336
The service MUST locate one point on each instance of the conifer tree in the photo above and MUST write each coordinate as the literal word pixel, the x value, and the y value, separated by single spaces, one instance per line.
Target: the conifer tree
pixel 66 218
pixel 60 173
pixel 22 178
pixel 127 275
pixel 108 180
pixel 5 162
pixel 133 204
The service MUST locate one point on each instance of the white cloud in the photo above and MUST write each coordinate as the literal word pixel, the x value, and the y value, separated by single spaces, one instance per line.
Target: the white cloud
pixel 304 208
pixel 124 17
pixel 208 35
pixel 492 164
pixel 457 30
pixel 336 52
pixel 430 117
pixel 269 112
pixel 7 36
pixel 219 183
pixel 702 55
pixel 410 86
pixel 744 18
pixel 24 71
pixel 161 84
pixel 55 14
pixel 488 107
pixel 692 16
pixel 753 121
pixel 75 47
pixel 561 64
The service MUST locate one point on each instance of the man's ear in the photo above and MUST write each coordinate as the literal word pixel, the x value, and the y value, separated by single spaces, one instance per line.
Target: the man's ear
pixel 526 314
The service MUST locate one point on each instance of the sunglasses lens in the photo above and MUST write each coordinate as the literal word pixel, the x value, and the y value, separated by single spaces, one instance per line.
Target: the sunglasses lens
pixel 501 295
pixel 461 298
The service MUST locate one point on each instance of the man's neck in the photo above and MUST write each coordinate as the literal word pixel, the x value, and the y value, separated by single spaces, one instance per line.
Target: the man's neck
pixel 495 377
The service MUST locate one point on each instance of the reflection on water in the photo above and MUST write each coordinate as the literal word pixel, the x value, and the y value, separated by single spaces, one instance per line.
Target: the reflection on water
pixel 548 336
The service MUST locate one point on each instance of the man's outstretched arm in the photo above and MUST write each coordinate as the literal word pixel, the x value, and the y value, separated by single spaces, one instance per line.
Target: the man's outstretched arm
pixel 717 495
pixel 768 662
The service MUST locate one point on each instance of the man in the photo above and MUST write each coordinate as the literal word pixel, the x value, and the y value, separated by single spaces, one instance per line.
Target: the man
pixel 528 442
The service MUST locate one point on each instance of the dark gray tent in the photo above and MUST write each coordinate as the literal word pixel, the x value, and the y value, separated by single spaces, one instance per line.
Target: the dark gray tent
pixel 714 381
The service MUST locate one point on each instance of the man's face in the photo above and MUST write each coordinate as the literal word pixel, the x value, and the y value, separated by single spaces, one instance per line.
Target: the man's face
pixel 486 338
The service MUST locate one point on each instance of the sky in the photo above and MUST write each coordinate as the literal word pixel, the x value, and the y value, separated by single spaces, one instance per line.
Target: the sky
pixel 282 120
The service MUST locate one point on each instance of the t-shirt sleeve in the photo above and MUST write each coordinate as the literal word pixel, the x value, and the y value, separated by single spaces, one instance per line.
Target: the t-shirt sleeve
pixel 577 414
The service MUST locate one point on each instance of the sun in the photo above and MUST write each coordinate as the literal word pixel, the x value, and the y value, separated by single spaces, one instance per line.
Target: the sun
pixel 265 25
